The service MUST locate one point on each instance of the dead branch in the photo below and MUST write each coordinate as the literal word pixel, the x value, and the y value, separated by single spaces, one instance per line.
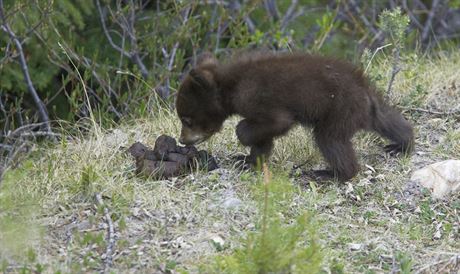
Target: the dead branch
pixel 88 64
pixel 411 14
pixel 127 24
pixel 434 112
pixel 429 20
pixel 43 14
pixel 133 39
pixel 4 147
pixel 2 107
pixel 7 56
pixel 106 32
pixel 35 134
pixel 18 131
pixel 361 14
pixel 15 142
pixel 442 266
pixel 12 152
pixel 272 9
pixel 108 260
pixel 291 14
pixel 43 113
pixel 235 7
pixel 171 56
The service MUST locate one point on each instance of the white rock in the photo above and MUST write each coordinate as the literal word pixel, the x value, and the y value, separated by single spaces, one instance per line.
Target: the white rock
pixel 216 239
pixel 355 247
pixel 231 203
pixel 440 178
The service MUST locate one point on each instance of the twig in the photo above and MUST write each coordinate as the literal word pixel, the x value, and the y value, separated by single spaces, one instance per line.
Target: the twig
pixel 7 52
pixel 445 263
pixel 108 261
pixel 366 22
pixel 212 22
pixel 12 153
pixel 89 64
pixel 43 114
pixel 291 14
pixel 43 14
pixel 394 266
pixel 2 107
pixel 429 20
pixel 411 15
pixel 39 134
pixel 235 7
pixel 218 36
pixel 133 39
pixel 106 32
pixel 13 143
pixel 395 70
pixel 272 9
pixel 5 147
pixel 171 56
pixel 435 112
pixel 373 55
pixel 18 131
pixel 127 25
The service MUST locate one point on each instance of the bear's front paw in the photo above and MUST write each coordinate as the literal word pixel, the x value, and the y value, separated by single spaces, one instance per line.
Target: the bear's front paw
pixel 242 162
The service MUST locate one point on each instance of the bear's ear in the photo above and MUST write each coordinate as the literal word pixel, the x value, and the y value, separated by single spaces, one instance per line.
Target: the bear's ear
pixel 203 78
pixel 206 58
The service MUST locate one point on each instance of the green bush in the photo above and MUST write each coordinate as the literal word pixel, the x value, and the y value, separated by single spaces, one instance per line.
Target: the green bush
pixel 280 244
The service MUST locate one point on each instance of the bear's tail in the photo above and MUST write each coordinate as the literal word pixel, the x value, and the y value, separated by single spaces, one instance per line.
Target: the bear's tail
pixel 389 123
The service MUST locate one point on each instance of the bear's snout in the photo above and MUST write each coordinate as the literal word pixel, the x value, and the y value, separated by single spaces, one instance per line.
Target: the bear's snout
pixel 190 137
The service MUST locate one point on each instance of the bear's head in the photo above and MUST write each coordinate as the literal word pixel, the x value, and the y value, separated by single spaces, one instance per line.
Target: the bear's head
pixel 198 103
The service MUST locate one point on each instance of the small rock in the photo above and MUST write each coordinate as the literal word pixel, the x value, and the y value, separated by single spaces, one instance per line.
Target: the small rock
pixel 349 189
pixel 355 247
pixel 380 177
pixel 437 235
pixel 135 211
pixel 216 239
pixel 231 203
pixel 440 178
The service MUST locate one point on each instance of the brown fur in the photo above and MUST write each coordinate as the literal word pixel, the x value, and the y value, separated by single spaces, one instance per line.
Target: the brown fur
pixel 274 92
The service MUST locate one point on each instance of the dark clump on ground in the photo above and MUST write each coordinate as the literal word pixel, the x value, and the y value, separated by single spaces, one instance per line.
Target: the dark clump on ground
pixel 167 159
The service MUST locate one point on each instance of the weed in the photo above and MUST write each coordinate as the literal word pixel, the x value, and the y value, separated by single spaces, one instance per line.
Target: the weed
pixel 278 245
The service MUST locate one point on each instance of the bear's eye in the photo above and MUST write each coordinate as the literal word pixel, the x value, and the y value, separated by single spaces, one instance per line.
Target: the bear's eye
pixel 187 121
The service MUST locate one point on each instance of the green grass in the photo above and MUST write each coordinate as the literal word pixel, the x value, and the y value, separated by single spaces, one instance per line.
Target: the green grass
pixel 50 220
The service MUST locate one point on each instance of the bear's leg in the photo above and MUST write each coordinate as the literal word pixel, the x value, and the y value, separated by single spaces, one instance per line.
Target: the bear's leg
pixel 259 136
pixel 340 155
pixel 260 152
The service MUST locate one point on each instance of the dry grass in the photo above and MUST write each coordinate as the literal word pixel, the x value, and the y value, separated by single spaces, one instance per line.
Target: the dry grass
pixel 378 222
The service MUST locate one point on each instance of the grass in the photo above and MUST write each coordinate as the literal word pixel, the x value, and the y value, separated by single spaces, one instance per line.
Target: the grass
pixel 376 223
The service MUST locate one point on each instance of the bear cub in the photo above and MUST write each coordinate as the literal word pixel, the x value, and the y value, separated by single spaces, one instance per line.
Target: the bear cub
pixel 274 92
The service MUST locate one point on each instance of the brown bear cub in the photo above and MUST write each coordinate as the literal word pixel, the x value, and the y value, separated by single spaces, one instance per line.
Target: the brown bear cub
pixel 273 92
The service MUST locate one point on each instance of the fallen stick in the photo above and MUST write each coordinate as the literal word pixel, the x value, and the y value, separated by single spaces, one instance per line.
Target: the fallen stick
pixel 108 261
